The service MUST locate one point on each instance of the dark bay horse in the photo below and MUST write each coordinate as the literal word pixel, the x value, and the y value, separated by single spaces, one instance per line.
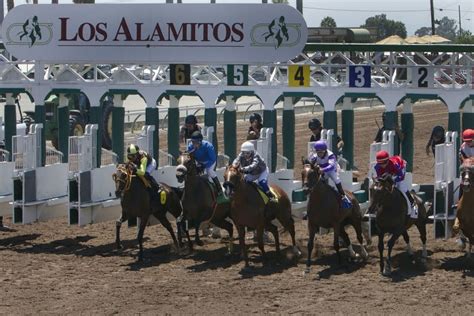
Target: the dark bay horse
pixel 390 207
pixel 199 201
pixel 325 210
pixel 135 202
pixel 249 210
pixel 465 212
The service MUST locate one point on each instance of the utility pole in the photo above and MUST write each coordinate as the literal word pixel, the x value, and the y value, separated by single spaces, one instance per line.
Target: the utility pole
pixel 2 3
pixel 459 12
pixel 433 31
pixel 299 6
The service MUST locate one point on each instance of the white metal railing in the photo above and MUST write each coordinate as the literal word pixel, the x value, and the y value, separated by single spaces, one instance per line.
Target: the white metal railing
pixel 222 161
pixel 26 150
pixel 281 162
pixel 108 157
pixel 166 159
pixel 82 150
pixel 264 145
pixel 53 156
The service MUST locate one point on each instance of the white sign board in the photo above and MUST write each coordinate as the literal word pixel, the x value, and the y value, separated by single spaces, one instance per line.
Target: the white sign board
pixel 192 33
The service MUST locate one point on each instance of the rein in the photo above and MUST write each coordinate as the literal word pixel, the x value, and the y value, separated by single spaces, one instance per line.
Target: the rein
pixel 128 181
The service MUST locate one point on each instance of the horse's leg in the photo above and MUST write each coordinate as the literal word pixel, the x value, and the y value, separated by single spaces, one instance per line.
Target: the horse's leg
pixel 222 223
pixel 381 263
pixel 407 241
pixel 357 224
pixel 337 233
pixel 118 224
pixel 390 244
pixel 259 231
pixel 196 237
pixel 312 233
pixel 166 224
pixel 241 232
pixel 421 225
pixel 141 230
pixel 347 241
pixel 274 230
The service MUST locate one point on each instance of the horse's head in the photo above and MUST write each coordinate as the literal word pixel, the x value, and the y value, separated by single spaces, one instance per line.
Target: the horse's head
pixel 310 175
pixel 467 174
pixel 232 178
pixel 122 178
pixel 381 187
pixel 186 167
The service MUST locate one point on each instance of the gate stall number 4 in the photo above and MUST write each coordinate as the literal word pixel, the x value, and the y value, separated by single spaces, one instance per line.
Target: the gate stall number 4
pixel 359 76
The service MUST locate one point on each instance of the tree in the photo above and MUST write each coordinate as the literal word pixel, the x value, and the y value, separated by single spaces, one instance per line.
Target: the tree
pixel 328 22
pixel 280 1
pixel 422 31
pixel 83 1
pixel 447 28
pixel 466 37
pixel 385 27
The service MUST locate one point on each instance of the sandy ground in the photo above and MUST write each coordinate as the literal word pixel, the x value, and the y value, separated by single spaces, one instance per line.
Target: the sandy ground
pixel 52 268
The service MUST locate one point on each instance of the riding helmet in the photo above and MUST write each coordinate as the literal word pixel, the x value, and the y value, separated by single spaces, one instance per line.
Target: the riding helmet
pixel 382 156
pixel 468 135
pixel 247 147
pixel 255 117
pixel 314 124
pixel 190 119
pixel 320 145
pixel 132 149
pixel 196 135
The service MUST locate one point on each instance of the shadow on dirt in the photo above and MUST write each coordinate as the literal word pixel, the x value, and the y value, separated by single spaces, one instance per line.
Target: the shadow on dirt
pixel 461 263
pixel 12 243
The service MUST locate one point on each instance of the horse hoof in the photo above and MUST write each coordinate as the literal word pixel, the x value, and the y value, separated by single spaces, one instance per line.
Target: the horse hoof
pixel 307 271
pixel 317 277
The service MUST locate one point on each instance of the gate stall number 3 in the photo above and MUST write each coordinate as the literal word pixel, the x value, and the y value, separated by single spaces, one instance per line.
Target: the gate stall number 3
pixel 359 76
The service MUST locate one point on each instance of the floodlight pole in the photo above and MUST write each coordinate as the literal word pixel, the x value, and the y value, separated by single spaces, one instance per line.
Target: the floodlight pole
pixel 433 31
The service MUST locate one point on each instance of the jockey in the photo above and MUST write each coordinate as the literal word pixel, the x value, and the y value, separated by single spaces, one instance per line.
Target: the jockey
pixel 205 156
pixel 253 166
pixel 467 147
pixel 326 160
pixel 255 126
pixel 395 166
pixel 189 127
pixel 145 164
pixel 466 151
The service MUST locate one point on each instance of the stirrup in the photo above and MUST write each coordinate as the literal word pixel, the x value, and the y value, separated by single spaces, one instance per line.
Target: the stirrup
pixel 221 198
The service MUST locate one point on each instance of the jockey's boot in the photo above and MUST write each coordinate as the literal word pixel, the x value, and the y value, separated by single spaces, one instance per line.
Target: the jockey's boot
pixel 221 198
pixel 456 226
pixel 346 203
pixel 153 189
pixel 414 206
pixel 264 185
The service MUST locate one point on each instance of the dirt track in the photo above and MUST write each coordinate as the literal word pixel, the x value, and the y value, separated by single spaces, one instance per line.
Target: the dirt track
pixel 52 268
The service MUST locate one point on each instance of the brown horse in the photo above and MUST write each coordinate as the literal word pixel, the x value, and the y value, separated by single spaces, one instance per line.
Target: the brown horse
pixel 465 212
pixel 135 202
pixel 325 210
pixel 249 210
pixel 390 207
pixel 199 201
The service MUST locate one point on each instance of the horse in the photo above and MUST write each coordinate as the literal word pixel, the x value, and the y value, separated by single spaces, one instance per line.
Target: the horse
pixel 135 202
pixel 199 201
pixel 465 211
pixel 325 210
pixel 248 209
pixel 390 207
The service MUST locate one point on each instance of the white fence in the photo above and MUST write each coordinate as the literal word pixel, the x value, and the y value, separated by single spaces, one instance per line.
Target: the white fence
pixel 82 150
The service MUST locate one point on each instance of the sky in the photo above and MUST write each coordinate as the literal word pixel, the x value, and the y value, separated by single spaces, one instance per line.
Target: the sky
pixel 353 13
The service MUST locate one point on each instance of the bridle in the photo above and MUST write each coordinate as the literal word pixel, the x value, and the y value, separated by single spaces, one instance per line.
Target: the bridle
pixel 230 184
pixel 125 179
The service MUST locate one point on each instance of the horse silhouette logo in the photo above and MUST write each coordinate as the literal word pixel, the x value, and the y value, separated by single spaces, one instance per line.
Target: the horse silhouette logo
pixel 277 30
pixel 277 34
pixel 31 32
pixel 31 29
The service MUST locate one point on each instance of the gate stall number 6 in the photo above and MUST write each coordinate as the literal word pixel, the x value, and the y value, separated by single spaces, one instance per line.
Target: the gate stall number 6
pixel 180 74
pixel 359 76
